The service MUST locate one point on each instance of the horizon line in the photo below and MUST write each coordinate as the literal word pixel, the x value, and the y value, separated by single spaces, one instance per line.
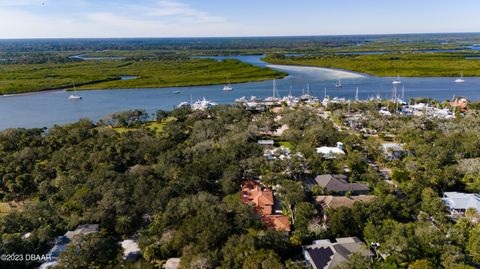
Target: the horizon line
pixel 252 36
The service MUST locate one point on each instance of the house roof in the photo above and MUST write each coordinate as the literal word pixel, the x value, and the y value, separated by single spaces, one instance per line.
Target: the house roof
pixel 279 222
pixel 325 254
pixel 266 142
pixel 392 147
pixel 131 250
pixel 337 183
pixel 330 151
pixel 82 230
pixel 462 201
pixel 262 199
pixel 172 263
pixel 335 202
pixel 321 257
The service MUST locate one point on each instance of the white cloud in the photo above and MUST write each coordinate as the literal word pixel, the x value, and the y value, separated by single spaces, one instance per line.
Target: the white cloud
pixel 180 11
pixel 164 18
pixel 13 3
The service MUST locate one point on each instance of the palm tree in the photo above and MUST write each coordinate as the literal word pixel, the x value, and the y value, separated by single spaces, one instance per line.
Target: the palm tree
pixel 123 224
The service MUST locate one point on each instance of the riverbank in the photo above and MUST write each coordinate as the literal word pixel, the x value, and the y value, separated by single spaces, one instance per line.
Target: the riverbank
pixel 88 75
pixel 391 64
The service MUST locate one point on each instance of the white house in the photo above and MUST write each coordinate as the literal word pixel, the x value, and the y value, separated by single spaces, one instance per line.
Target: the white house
pixel 459 202
pixel 331 152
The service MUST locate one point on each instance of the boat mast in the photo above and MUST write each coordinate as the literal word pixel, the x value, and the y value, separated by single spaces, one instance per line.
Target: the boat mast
pixel 356 95
pixel 274 87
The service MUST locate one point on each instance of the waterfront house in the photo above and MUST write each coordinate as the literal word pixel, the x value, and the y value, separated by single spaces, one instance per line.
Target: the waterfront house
pixel 337 184
pixel 461 104
pixel 324 254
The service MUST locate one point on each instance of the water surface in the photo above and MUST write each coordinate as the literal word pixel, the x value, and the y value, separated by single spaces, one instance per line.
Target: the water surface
pixel 48 108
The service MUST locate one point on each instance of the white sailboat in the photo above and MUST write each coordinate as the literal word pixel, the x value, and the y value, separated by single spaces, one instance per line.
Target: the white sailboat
pixel 74 96
pixel 460 79
pixel 274 97
pixel 397 81
pixel 228 87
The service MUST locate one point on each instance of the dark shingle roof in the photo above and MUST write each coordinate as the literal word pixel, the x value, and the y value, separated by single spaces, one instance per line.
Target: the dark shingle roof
pixel 321 256
pixel 337 183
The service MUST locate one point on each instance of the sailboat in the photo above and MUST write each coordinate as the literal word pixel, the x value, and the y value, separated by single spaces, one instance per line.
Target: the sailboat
pixel 228 87
pixel 74 96
pixel 339 84
pixel 460 79
pixel 274 97
pixel 397 81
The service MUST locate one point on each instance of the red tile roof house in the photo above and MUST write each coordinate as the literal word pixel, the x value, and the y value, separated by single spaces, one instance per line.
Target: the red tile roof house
pixel 262 198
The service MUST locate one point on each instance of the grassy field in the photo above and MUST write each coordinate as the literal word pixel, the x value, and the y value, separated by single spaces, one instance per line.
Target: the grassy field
pixel 17 78
pixel 405 64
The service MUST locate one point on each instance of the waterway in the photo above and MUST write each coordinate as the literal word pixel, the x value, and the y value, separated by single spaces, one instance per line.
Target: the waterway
pixel 48 108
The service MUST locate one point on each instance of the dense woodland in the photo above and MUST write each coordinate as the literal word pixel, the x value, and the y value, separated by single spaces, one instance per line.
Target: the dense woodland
pixel 177 188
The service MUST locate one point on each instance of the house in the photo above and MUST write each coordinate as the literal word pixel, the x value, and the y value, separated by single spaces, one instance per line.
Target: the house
pixel 278 222
pixel 172 263
pixel 266 143
pixel 131 250
pixel 263 200
pixel 335 202
pixel 337 184
pixel 459 202
pixel 61 243
pixel 324 254
pixel 331 152
pixel 393 151
pixel 461 103
pixel 280 153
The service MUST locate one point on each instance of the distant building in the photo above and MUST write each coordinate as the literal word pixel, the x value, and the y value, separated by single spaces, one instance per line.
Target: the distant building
pixel 337 184
pixel 268 143
pixel 324 254
pixel 131 250
pixel 458 202
pixel 331 152
pixel 393 151
pixel 61 243
pixel 172 263
pixel 460 103
pixel 335 202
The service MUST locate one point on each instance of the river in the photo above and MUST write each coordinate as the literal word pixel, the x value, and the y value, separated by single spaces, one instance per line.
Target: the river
pixel 45 109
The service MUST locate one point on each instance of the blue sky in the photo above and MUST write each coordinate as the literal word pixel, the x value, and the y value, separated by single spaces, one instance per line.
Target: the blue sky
pixel 189 18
